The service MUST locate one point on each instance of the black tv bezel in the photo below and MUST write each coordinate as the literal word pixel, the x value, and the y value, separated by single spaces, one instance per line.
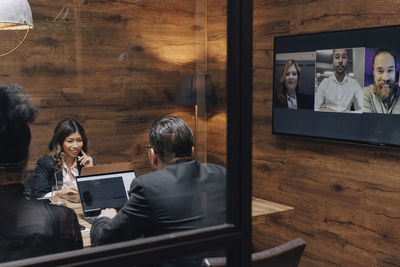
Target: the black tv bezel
pixel 386 36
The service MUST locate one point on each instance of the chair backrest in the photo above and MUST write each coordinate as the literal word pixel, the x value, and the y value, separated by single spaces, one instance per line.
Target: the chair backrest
pixel 285 255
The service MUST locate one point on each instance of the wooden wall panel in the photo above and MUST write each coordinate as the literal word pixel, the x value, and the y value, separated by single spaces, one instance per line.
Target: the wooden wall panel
pixel 216 63
pixel 113 65
pixel 346 196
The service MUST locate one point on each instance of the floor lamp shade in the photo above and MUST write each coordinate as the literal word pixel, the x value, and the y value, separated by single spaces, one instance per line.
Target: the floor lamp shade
pixel 15 15
pixel 196 89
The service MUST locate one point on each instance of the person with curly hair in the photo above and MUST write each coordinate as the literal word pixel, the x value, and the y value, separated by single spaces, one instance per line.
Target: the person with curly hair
pixel 29 227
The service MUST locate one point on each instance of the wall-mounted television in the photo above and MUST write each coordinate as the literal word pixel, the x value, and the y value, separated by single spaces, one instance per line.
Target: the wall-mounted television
pixel 340 85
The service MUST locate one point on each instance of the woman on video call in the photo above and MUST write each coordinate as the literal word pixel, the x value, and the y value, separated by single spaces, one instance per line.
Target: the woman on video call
pixel 68 154
pixel 288 95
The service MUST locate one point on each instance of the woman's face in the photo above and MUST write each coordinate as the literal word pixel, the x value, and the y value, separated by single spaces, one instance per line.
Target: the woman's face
pixel 291 78
pixel 72 145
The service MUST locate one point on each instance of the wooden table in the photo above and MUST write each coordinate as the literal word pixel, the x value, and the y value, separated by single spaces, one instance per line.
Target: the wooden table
pixel 77 207
pixel 261 209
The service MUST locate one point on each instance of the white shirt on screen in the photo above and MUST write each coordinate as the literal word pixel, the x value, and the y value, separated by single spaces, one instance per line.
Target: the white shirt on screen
pixel 339 96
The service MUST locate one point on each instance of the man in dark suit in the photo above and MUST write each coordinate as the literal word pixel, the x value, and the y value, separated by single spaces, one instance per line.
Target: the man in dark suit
pixel 180 194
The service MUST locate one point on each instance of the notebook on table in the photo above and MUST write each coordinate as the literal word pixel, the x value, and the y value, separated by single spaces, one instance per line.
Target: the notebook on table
pixel 105 190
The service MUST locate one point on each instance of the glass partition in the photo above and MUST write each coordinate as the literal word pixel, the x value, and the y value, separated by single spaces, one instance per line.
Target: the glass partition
pixel 113 68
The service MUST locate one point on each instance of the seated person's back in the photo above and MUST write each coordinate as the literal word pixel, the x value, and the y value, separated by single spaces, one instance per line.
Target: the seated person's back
pixel 34 227
pixel 183 196
pixel 180 195
pixel 28 227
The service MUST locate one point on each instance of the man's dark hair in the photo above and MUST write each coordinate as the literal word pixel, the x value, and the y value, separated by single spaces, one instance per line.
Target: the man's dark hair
pixel 382 51
pixel 171 137
pixel 16 110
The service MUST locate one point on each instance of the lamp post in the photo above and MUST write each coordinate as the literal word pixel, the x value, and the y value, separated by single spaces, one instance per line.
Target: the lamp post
pixel 196 90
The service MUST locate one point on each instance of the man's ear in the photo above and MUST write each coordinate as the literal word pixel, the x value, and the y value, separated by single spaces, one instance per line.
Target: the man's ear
pixel 153 158
pixel 192 151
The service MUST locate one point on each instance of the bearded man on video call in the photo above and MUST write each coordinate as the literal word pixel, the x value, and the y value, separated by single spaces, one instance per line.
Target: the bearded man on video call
pixel 383 95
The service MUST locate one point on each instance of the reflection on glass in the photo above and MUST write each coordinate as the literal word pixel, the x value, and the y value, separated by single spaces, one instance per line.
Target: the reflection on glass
pixel 115 67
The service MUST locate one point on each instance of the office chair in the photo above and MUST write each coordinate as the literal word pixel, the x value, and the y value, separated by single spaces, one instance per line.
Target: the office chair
pixel 285 255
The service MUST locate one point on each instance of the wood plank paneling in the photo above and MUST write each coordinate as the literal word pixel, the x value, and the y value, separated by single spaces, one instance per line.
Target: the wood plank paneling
pixel 113 65
pixel 216 62
pixel 346 196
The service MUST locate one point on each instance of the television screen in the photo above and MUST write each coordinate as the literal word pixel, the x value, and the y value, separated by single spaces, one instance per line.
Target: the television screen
pixel 340 85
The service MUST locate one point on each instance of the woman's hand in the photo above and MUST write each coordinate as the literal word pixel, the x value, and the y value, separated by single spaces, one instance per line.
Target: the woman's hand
pixel 72 194
pixel 85 160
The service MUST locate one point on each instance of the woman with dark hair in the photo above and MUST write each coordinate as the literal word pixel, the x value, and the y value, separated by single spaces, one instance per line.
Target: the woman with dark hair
pixel 29 227
pixel 288 95
pixel 68 154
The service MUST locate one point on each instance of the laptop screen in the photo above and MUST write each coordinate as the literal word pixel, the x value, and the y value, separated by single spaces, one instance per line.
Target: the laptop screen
pixel 102 191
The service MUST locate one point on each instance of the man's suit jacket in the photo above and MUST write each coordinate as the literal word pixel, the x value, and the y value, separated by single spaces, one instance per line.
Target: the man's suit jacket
pixel 183 196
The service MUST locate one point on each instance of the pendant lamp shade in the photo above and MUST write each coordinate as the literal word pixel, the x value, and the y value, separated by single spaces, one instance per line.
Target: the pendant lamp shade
pixel 15 15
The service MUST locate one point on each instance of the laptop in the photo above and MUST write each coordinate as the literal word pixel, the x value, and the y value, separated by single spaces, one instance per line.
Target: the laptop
pixel 104 190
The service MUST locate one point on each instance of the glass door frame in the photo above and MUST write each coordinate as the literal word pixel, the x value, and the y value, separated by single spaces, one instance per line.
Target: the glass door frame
pixel 235 235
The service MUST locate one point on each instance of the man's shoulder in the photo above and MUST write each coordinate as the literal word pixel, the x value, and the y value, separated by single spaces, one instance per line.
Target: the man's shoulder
pixel 326 80
pixel 174 170
pixel 58 209
pixel 326 83
pixel 369 90
pixel 353 82
pixel 148 175
pixel 213 167
pixel 147 179
pixel 62 211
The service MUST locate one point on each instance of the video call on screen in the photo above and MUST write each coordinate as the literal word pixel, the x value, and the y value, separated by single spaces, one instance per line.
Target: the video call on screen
pixel 354 113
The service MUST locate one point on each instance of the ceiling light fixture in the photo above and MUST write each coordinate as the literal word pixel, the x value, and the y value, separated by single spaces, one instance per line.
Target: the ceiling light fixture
pixel 15 15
